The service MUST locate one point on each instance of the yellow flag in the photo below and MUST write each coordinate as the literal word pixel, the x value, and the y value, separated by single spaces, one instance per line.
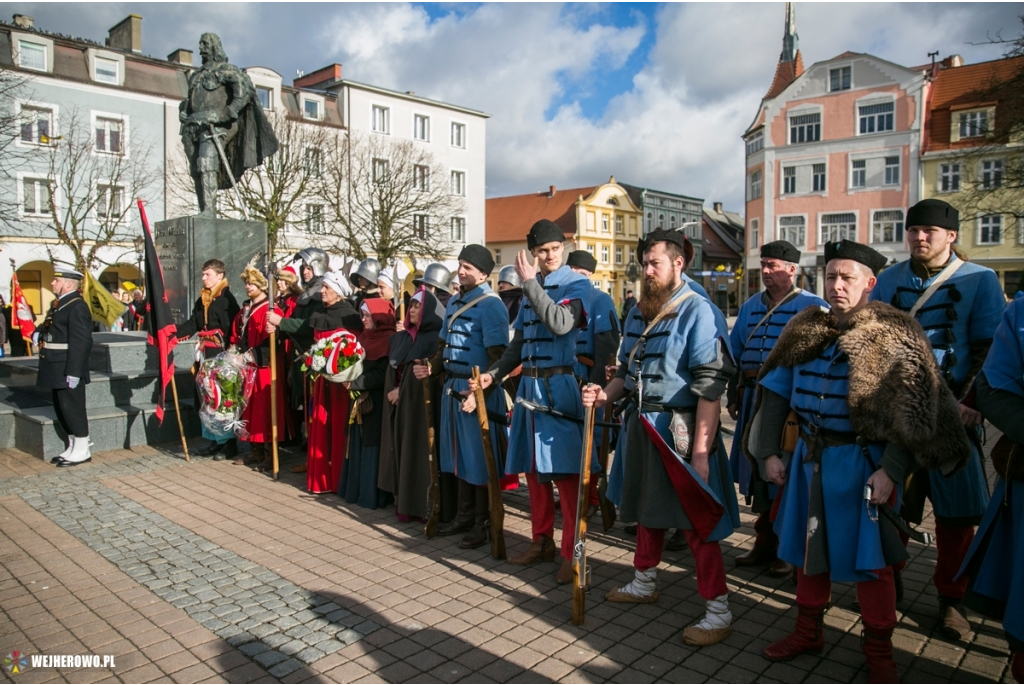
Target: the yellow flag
pixel 103 306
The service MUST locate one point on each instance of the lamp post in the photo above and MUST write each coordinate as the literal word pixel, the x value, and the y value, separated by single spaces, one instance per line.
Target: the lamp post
pixel 138 241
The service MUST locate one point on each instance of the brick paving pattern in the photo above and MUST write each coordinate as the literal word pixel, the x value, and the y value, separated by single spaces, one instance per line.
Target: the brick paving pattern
pixel 193 572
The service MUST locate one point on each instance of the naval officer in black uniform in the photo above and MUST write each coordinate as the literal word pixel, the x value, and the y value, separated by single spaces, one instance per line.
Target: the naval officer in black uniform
pixel 65 343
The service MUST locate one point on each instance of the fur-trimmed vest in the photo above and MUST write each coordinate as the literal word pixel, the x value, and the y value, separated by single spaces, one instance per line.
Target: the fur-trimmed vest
pixel 896 391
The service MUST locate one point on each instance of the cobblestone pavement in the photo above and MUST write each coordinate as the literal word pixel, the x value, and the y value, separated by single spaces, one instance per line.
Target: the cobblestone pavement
pixel 209 572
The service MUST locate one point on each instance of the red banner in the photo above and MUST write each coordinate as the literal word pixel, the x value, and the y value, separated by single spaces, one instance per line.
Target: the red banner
pixel 159 324
pixel 21 316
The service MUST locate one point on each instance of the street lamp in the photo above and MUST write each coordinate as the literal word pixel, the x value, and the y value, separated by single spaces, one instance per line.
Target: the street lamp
pixel 138 242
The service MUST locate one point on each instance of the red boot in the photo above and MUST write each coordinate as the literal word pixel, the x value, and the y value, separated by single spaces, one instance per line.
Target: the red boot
pixel 1017 667
pixel 808 636
pixel 877 647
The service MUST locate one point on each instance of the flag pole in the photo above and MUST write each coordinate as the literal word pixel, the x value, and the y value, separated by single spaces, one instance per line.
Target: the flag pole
pixel 272 278
pixel 177 411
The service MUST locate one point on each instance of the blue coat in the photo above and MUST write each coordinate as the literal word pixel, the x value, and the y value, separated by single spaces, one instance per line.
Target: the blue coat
pixel 601 318
pixel 539 442
pixel 965 309
pixel 466 341
pixel 751 356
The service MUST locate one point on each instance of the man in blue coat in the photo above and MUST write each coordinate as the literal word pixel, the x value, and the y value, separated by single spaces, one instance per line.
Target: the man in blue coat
pixel 757 328
pixel 545 447
pixel 959 305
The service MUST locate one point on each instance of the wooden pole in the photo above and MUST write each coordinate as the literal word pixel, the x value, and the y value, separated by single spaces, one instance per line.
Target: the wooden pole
pixel 272 278
pixel 177 411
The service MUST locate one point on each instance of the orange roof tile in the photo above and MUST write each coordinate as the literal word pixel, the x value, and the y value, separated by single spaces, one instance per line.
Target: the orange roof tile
pixel 785 73
pixel 971 85
pixel 509 218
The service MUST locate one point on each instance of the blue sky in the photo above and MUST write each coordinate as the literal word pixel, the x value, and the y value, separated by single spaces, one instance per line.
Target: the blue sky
pixel 654 94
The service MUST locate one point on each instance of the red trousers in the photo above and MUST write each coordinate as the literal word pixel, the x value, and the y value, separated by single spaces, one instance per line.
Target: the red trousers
pixel 877 597
pixel 951 545
pixel 707 555
pixel 542 508
pixel 764 532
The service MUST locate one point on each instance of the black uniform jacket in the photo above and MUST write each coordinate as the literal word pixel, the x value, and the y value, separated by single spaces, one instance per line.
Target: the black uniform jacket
pixel 65 343
pixel 213 323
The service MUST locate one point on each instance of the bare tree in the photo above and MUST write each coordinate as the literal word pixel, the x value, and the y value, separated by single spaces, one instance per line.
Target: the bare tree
pixel 14 86
pixel 93 170
pixel 390 199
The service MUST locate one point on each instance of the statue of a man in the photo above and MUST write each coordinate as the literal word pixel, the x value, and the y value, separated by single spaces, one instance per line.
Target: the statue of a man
pixel 221 108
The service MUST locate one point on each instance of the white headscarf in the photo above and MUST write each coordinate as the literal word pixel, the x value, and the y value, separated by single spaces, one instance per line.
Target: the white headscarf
pixel 336 282
pixel 385 278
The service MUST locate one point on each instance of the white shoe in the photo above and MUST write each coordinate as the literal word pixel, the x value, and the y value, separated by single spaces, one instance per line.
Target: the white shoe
pixel 80 451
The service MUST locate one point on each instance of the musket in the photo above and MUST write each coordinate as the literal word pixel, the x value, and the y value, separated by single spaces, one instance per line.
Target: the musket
pixel 272 279
pixel 496 506
pixel 227 168
pixel 533 406
pixel 434 492
pixel 580 572
pixel 607 508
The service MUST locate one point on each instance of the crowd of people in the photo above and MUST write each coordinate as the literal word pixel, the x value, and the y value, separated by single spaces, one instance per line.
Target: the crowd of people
pixel 850 411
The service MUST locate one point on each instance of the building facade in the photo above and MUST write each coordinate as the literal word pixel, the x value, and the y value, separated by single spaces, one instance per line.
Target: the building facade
pixel 722 246
pixel 662 209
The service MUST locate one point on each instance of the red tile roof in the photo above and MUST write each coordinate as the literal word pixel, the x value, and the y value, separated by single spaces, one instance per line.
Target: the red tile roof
pixel 973 85
pixel 786 73
pixel 509 218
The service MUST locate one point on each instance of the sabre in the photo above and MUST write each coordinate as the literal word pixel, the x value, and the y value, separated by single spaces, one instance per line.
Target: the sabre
pixel 227 168
pixel 533 406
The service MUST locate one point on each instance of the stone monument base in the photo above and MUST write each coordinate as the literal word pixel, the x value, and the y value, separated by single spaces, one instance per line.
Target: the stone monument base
pixel 185 243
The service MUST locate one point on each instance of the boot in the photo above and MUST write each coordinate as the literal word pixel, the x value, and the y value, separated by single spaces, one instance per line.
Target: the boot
pixel 677 542
pixel 211 449
pixel 1017 667
pixel 466 514
pixel 480 534
pixel 206 189
pixel 565 574
pixel 877 647
pixel 255 455
pixel 808 636
pixel 542 547
pixel 267 465
pixel 714 627
pixel 953 624
pixel 230 449
pixel 79 454
pixel 756 556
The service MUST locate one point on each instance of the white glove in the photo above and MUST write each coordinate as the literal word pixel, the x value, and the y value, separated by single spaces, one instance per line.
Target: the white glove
pixel 72 382
pixel 35 338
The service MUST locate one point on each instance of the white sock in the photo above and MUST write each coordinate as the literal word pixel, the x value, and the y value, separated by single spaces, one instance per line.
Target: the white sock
pixel 79 450
pixel 643 584
pixel 67 450
pixel 717 615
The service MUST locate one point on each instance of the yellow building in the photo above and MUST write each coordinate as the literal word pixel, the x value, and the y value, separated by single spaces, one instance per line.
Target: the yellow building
pixel 970 161
pixel 601 220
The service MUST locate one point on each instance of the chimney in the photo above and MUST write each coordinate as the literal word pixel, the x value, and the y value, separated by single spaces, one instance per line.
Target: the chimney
pixel 718 207
pixel 23 21
pixel 319 78
pixel 126 35
pixel 181 56
pixel 551 191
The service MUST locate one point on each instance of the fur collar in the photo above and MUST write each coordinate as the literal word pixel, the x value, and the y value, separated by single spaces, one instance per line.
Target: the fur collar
pixel 896 391
pixel 209 295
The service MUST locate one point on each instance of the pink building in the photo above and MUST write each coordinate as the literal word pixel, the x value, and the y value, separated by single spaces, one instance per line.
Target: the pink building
pixel 833 153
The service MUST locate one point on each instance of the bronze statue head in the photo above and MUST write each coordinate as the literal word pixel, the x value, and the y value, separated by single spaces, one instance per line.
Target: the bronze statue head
pixel 210 48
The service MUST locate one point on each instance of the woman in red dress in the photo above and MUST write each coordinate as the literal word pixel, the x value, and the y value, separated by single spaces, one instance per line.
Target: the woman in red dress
pixel 325 454
pixel 249 336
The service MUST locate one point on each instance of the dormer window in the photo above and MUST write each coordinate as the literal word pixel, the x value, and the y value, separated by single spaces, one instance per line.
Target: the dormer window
pixel 973 124
pixel 266 96
pixel 311 108
pixel 839 79
pixel 31 55
pixel 107 71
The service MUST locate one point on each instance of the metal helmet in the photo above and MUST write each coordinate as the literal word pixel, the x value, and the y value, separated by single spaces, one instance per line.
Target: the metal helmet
pixel 368 269
pixel 316 259
pixel 508 275
pixel 436 275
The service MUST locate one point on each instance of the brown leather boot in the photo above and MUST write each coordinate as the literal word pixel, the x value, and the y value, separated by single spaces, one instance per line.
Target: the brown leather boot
pixel 255 455
pixel 756 556
pixel 542 547
pixel 808 636
pixel 267 465
pixel 565 574
pixel 953 624
pixel 465 515
pixel 877 647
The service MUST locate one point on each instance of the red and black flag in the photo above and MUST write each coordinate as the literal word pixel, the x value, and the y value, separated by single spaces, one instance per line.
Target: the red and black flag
pixel 159 323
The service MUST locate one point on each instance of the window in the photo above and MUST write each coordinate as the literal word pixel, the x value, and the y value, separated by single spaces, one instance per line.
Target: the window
pixel 949 177
pixel 497 256
pixel 311 161
pixel 650 219
pixel 31 55
pixel 793 229
pixel 836 227
pixel 421 127
pixel 755 143
pixel 672 221
pixel 839 79
pixel 818 177
pixel 35 196
pixel 315 219
pixel 661 221
pixel 604 224
pixel 420 225
pixel 590 249
pixel 618 255
pixel 973 124
pixel 990 230
pixel 632 254
pixel 36 125
pixel 108 135
pixel 458 134
pixel 887 226
pixel 805 128
pixel 381 119
pixel 458 229
pixel 458 183
pixel 106 71
pixel 109 202
pixel 754 191
pixel 892 171
pixel 876 118
pixel 859 173
pixel 788 180
pixel 266 96
pixel 618 225
pixel 755 233
pixel 381 169
pixel 421 177
pixel 604 254
pixel 311 109
pixel 991 174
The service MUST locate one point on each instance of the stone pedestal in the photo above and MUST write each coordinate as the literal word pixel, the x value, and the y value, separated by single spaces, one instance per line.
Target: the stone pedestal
pixel 183 244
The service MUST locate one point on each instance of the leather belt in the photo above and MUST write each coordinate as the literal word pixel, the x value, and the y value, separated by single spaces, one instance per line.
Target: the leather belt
pixel 817 439
pixel 456 375
pixel 55 346
pixel 750 378
pixel 548 372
